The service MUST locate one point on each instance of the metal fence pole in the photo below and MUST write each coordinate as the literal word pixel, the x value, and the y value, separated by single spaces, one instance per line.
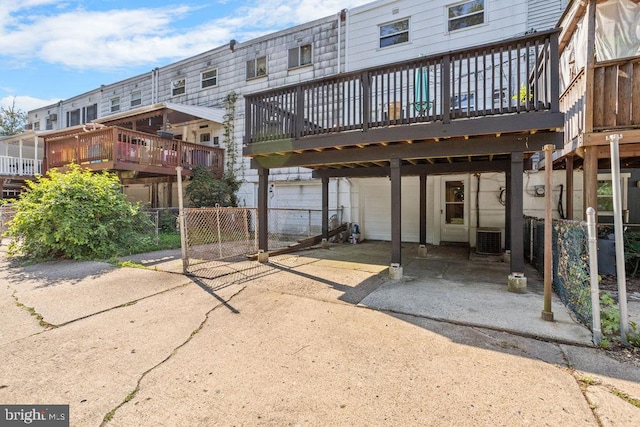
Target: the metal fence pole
pixel 181 221
pixel 593 274
pixel 617 225
pixel 219 233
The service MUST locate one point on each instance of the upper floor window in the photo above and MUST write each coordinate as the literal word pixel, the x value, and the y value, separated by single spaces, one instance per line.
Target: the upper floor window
pixel 209 78
pixel 136 98
pixel 467 14
pixel 257 67
pixel 394 33
pixel 299 56
pixel 464 102
pixel 36 125
pixel 178 87
pixel 91 113
pixel 115 104
pixel 73 117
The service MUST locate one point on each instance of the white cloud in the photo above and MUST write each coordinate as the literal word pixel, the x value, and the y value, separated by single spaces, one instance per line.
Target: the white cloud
pixel 119 39
pixel 26 103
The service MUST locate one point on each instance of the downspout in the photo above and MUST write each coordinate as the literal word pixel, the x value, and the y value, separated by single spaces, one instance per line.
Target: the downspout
pixel 478 202
pixel 341 17
pixel 346 41
pixel 157 84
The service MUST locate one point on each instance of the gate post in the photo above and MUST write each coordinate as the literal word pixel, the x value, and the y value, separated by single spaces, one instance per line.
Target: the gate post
pixel 181 223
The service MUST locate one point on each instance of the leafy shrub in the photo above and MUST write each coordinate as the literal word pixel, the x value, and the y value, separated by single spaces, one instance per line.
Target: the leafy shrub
pixel 76 215
pixel 206 191
pixel 168 222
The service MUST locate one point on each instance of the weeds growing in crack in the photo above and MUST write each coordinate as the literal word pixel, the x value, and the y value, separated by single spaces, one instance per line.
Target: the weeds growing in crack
pixel 32 311
pixel 625 396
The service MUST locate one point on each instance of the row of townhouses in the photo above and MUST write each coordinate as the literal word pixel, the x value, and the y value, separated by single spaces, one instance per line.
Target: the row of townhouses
pixel 422 121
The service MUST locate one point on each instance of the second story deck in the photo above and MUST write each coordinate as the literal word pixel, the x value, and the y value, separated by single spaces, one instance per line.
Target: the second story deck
pixel 472 104
pixel 119 149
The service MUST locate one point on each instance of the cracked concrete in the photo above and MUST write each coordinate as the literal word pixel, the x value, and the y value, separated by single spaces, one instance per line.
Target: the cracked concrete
pixel 289 347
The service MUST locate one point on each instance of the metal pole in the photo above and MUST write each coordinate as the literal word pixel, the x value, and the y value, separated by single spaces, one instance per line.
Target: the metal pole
pixel 593 274
pixel 183 235
pixel 617 223
pixel 219 233
pixel 547 314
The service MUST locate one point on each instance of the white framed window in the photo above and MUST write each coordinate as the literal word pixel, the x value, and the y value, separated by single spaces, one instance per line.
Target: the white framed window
pixel 300 56
pixel 209 78
pixel 73 117
pixel 205 137
pixel 257 67
pixel 36 125
pixel 136 98
pixel 605 194
pixel 115 104
pixel 464 102
pixel 465 14
pixel 394 33
pixel 178 87
pixel 91 113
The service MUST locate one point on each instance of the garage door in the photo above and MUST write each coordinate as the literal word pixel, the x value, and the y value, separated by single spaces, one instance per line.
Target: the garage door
pixel 375 198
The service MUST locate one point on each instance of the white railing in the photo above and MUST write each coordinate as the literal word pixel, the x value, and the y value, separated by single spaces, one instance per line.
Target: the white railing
pixel 19 167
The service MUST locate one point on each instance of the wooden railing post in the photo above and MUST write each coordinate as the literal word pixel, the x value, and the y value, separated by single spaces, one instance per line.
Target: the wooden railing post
pixel 366 99
pixel 446 89
pixel 299 118
pixel 248 134
pixel 554 63
pixel 114 145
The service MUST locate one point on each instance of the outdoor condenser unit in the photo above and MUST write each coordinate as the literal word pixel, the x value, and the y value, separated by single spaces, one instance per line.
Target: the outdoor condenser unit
pixel 489 241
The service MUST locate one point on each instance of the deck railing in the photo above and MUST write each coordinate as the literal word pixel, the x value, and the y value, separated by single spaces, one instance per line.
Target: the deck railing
pixel 616 94
pixel 120 145
pixel 514 76
pixel 16 166
pixel 616 98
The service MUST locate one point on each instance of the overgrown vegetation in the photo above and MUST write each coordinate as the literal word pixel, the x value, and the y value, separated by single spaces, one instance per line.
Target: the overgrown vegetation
pixel 610 323
pixel 12 119
pixel 205 190
pixel 77 215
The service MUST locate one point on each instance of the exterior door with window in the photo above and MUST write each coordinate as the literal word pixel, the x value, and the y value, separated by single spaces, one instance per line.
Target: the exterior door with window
pixel 454 213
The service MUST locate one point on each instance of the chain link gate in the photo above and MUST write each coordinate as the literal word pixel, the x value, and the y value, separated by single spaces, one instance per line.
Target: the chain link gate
pixel 218 241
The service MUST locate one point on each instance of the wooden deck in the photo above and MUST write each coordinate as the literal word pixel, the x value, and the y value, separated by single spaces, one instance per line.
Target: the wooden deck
pixel 474 104
pixel 616 100
pixel 120 149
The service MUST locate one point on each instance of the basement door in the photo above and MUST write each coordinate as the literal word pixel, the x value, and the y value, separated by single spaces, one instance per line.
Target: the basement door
pixel 454 211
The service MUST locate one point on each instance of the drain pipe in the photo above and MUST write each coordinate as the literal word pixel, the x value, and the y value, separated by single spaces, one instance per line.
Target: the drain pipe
pixel 478 202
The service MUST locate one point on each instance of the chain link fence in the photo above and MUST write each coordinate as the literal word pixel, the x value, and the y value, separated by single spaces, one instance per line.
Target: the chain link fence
pixel 6 214
pixel 571 279
pixel 219 240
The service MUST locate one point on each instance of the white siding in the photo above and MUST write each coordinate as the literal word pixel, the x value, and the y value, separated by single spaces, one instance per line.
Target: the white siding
pixel 428 29
pixel 544 14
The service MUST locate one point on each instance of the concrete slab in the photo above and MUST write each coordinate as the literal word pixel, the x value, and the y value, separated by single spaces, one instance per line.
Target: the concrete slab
pixel 65 291
pixel 287 360
pixel 478 304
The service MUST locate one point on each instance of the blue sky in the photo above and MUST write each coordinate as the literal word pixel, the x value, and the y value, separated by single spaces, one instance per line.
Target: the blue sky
pixel 56 49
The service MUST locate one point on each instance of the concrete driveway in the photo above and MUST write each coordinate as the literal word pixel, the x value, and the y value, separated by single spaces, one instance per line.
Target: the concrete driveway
pixel 289 343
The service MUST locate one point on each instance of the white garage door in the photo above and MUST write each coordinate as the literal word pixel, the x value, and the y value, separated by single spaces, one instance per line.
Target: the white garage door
pixel 375 197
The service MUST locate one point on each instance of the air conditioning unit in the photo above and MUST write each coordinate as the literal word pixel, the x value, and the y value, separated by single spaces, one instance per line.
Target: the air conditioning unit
pixel 489 241
pixel 53 117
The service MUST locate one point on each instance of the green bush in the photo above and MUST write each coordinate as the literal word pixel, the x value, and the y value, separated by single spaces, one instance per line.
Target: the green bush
pixel 76 215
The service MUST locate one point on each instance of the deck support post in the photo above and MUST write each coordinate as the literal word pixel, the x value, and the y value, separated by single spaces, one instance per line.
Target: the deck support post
pixel 395 269
pixel 325 211
pixel 516 223
pixel 569 181
pixel 507 210
pixel 263 214
pixel 422 249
